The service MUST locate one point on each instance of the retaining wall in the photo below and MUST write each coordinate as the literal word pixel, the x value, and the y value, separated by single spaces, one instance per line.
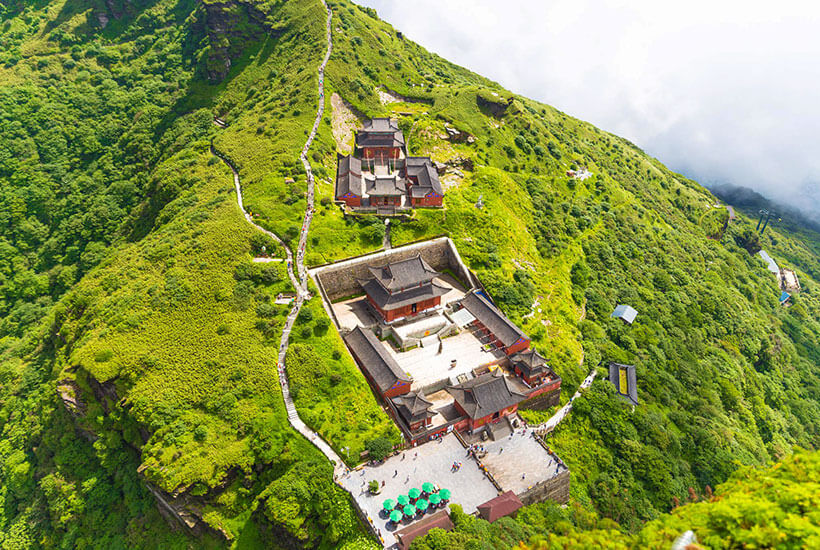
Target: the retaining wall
pixel 339 279
pixel 556 488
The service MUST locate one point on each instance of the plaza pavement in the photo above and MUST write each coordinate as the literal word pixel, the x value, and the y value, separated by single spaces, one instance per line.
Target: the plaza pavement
pixel 511 457
pixel 469 486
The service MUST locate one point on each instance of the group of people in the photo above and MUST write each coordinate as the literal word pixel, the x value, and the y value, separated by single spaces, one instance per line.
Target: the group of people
pixel 456 466
pixel 474 450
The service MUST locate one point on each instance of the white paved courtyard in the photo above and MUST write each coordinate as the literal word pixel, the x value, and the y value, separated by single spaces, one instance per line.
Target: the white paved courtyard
pixel 510 458
pixel 429 462
pixel 426 365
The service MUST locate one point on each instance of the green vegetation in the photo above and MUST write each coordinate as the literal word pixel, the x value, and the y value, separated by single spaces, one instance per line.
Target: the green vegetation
pixel 330 391
pixel 769 508
pixel 138 341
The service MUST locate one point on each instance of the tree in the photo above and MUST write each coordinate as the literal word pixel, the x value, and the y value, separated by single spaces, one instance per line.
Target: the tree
pixel 378 448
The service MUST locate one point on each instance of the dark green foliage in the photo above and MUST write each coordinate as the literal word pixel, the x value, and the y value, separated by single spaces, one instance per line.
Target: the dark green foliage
pixel 378 448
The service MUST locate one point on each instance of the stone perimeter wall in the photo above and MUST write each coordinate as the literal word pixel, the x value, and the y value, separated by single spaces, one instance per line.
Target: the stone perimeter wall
pixel 556 488
pixel 339 280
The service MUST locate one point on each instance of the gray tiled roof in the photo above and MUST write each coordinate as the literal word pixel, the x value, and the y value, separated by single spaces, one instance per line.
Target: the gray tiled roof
pixel 404 273
pixel 349 176
pixel 413 407
pixel 374 359
pixel 387 300
pixel 422 169
pixel 385 186
pixel 380 132
pixel 489 316
pixel 630 393
pixel 381 124
pixel 485 394
pixel 530 362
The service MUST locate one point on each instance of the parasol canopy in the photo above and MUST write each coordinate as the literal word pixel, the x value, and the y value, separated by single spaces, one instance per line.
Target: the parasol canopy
pixel 444 494
pixel 409 510
pixel 434 499
pixel 403 500
pixel 389 504
pixel 428 487
pixel 421 505
pixel 395 516
pixel 414 493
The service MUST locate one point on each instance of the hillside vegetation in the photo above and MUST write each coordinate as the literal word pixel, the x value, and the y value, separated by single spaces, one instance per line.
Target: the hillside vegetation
pixel 774 507
pixel 139 340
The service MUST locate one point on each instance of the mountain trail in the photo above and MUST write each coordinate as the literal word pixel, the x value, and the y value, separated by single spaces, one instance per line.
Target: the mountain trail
pixel 556 419
pixel 296 270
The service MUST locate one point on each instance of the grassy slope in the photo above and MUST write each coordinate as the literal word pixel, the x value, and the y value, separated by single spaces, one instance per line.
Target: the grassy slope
pixel 188 340
pixel 180 329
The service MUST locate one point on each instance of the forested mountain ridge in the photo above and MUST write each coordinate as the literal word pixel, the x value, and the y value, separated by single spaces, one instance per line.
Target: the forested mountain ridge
pixel 139 340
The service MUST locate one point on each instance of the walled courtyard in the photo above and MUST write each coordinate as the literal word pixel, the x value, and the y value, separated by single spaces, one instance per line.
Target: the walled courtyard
pixel 429 462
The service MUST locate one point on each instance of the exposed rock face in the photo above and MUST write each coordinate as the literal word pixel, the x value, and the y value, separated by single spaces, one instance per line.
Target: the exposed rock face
pixel 493 103
pixel 460 162
pixel 230 25
pixel 457 136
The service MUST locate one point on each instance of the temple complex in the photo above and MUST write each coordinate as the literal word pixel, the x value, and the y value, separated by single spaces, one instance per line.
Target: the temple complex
pixel 380 177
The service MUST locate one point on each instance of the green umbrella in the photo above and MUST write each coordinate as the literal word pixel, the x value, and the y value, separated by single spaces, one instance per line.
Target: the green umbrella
pixel 403 500
pixel 444 494
pixel 428 487
pixel 434 499
pixel 409 510
pixel 421 505
pixel 395 516
pixel 389 504
pixel 414 493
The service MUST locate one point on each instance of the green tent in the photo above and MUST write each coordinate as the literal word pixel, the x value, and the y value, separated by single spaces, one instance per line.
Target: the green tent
pixel 403 500
pixel 414 493
pixel 389 504
pixel 395 516
pixel 444 494
pixel 421 505
pixel 409 511
pixel 434 499
pixel 428 487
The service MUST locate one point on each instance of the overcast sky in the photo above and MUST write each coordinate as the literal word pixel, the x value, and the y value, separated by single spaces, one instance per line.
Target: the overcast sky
pixel 720 90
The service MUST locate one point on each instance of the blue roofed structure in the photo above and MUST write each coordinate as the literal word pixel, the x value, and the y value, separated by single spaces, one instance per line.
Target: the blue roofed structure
pixel 784 297
pixel 625 313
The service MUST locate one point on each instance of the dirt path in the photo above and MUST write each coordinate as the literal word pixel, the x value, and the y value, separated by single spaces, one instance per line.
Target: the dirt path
pixel 344 122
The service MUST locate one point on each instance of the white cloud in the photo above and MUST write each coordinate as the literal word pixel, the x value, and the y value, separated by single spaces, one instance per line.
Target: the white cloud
pixel 724 91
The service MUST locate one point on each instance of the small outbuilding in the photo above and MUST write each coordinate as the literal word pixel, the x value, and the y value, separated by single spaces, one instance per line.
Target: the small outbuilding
pixel 625 380
pixel 505 504
pixel 439 520
pixel 625 313
pixel 784 298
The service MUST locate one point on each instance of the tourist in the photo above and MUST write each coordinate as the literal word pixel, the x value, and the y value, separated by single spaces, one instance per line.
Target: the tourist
pixel 395 473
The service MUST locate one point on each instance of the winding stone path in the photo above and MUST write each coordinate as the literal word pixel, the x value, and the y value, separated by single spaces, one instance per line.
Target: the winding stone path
pixel 550 424
pixel 297 274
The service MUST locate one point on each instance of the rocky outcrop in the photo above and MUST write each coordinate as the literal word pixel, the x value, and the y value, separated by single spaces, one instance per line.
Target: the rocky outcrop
pixel 492 103
pixel 230 25
pixel 457 136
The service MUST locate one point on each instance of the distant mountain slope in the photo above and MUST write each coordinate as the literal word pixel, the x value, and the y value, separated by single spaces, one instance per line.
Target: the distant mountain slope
pixel 138 339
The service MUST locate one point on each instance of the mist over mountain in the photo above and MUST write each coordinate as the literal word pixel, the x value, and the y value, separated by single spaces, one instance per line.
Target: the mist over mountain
pixel 719 92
